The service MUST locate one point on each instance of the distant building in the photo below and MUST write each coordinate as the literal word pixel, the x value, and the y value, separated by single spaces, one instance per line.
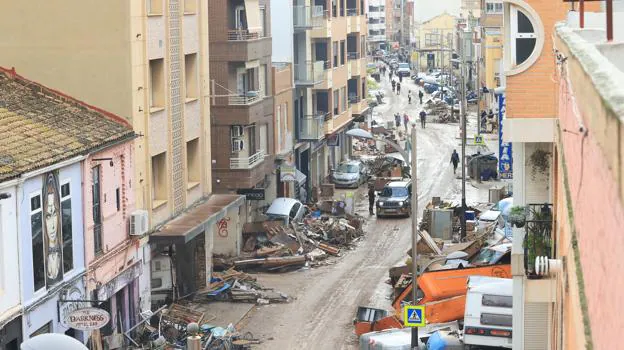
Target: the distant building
pixel 436 42
pixel 377 25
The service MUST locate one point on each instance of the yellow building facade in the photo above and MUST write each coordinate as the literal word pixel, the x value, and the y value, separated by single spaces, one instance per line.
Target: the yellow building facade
pixel 435 42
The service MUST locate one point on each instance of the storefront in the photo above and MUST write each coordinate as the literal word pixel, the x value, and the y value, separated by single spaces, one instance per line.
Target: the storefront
pixel 11 334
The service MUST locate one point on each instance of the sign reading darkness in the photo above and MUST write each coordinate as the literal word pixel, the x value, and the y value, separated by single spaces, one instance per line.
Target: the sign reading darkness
pixel 252 194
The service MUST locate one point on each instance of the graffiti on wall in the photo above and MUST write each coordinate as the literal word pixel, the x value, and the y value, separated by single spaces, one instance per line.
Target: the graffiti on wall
pixel 222 227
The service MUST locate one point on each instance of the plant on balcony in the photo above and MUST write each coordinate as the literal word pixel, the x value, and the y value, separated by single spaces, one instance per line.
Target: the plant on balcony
pixel 540 163
pixel 517 216
pixel 537 241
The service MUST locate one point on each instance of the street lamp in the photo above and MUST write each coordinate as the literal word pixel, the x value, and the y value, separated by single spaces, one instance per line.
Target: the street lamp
pixel 363 134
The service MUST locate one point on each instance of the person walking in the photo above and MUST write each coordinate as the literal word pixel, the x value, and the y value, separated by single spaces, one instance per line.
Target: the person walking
pixel 420 95
pixel 454 160
pixel 405 121
pixel 397 120
pixel 398 88
pixel 409 97
pixel 423 119
pixel 371 199
pixel 393 85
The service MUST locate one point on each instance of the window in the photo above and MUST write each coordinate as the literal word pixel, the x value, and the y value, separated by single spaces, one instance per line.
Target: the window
pixel 362 45
pixel 497 300
pixel 494 8
pixel 66 227
pixel 334 8
pixel 154 7
pixel 523 38
pixel 159 179
pixel 335 53
pixel 294 210
pixel 47 328
pixel 336 102
pixel 343 92
pixel 157 265
pixel 97 209
pixel 36 220
pixel 157 83
pixel 192 162
pixel 496 320
pixel 263 30
pixel 432 39
pixel 342 53
pixel 190 6
pixel 263 131
pixel 156 282
pixel 118 198
pixel 191 76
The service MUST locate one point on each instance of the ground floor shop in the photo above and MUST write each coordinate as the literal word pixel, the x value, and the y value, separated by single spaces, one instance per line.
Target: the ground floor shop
pixel 49 313
pixel 11 333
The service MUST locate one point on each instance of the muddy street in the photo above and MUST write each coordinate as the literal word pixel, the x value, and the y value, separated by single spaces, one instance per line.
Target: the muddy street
pixel 325 299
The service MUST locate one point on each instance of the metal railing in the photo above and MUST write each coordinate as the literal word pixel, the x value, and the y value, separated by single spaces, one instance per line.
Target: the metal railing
pixel 352 12
pixel 309 72
pixel 319 16
pixel 304 17
pixel 247 162
pixel 538 240
pixel 245 99
pixel 242 35
pixel 353 55
pixel 311 126
pixel 353 99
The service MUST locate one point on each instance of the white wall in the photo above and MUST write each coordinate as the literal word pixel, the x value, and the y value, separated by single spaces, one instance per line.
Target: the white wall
pixel 282 30
pixel 9 255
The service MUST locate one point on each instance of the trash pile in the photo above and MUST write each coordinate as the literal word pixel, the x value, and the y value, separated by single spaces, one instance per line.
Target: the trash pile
pixel 271 246
pixel 439 111
pixel 238 286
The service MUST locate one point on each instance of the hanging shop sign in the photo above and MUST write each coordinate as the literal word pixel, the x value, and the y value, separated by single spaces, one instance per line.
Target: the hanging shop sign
pixel 252 194
pixel 505 160
pixel 87 319
pixel 288 173
pixel 72 300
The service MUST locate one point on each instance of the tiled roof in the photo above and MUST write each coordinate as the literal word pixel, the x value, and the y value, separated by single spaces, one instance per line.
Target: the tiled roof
pixel 40 127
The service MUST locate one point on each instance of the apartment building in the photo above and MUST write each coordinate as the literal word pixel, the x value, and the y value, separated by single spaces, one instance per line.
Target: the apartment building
pixel 436 39
pixel 145 60
pixel 490 62
pixel 376 25
pixel 242 103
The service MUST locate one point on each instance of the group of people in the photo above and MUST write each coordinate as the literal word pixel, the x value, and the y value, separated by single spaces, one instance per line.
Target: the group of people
pixel 396 85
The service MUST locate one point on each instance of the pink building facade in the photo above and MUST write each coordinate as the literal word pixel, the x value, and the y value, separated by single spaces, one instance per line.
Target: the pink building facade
pixel 114 257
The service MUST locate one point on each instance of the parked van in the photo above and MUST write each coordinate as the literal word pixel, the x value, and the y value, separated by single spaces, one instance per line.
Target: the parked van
pixel 488 315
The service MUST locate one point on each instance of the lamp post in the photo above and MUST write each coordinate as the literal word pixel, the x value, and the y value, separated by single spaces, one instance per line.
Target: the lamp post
pixel 363 134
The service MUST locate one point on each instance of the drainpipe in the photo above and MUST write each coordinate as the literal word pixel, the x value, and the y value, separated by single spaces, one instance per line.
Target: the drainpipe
pixel 582 13
pixel 609 12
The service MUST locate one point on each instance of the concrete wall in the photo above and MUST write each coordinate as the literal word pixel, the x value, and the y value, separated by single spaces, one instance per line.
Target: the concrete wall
pixel 227 233
pixel 595 182
pixel 40 34
pixel 493 53
pixel 9 255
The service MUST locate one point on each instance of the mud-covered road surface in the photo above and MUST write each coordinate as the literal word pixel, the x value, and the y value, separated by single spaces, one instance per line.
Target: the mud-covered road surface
pixel 325 299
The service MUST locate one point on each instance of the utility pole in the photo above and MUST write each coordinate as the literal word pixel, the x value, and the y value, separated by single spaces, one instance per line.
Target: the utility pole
pixel 415 234
pixel 463 138
pixel 478 87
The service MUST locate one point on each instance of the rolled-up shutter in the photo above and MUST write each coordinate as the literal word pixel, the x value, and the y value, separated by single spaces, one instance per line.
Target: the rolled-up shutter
pixel 536 326
pixel 252 11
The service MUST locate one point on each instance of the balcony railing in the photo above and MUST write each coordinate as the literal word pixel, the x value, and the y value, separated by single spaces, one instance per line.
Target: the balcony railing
pixel 309 72
pixel 353 99
pixel 242 35
pixel 247 162
pixel 319 16
pixel 304 17
pixel 352 12
pixel 353 55
pixel 538 236
pixel 311 126
pixel 247 98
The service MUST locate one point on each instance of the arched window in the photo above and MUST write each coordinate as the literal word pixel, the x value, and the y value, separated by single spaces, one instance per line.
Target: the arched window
pixel 523 36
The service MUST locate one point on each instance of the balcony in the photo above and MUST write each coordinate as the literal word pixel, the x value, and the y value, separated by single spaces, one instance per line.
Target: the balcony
pixel 247 162
pixel 321 24
pixel 241 46
pixel 338 122
pixel 358 106
pixel 311 126
pixel 352 12
pixel 245 99
pixel 307 17
pixel 309 73
pixel 354 20
pixel 538 236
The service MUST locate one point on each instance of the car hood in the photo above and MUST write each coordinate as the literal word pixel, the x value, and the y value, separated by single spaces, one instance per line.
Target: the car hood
pixel 393 199
pixel 346 176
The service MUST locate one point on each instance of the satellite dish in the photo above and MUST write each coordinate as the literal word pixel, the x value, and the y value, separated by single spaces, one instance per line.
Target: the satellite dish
pixel 52 341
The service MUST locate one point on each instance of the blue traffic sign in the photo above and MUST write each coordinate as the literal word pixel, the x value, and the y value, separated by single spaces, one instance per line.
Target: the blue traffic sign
pixel 414 316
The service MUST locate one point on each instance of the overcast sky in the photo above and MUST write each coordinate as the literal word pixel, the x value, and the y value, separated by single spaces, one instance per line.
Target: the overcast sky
pixel 426 9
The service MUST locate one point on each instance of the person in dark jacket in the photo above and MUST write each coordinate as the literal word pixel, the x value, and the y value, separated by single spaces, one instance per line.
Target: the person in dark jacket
pixel 398 87
pixel 371 199
pixel 420 95
pixel 397 120
pixel 423 119
pixel 455 160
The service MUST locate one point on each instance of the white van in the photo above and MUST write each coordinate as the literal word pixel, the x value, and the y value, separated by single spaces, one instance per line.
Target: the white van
pixel 488 315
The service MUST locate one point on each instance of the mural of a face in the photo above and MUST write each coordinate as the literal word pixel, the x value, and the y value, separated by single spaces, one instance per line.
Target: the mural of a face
pixel 52 226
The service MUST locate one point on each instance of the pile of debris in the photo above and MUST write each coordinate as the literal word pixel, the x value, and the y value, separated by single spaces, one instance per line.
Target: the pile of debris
pixel 238 286
pixel 439 111
pixel 272 246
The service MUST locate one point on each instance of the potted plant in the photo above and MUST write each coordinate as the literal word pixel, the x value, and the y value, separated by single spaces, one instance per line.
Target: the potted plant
pixel 517 216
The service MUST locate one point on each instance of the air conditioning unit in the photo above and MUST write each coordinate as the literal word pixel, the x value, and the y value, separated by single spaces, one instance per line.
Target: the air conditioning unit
pixel 237 130
pixel 237 145
pixel 138 223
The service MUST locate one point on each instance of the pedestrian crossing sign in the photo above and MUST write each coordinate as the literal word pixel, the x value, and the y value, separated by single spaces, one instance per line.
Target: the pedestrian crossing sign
pixel 414 316
pixel 478 140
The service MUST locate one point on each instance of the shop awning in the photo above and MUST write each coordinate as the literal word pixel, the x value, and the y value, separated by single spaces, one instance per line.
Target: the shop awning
pixel 196 220
pixel 252 11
